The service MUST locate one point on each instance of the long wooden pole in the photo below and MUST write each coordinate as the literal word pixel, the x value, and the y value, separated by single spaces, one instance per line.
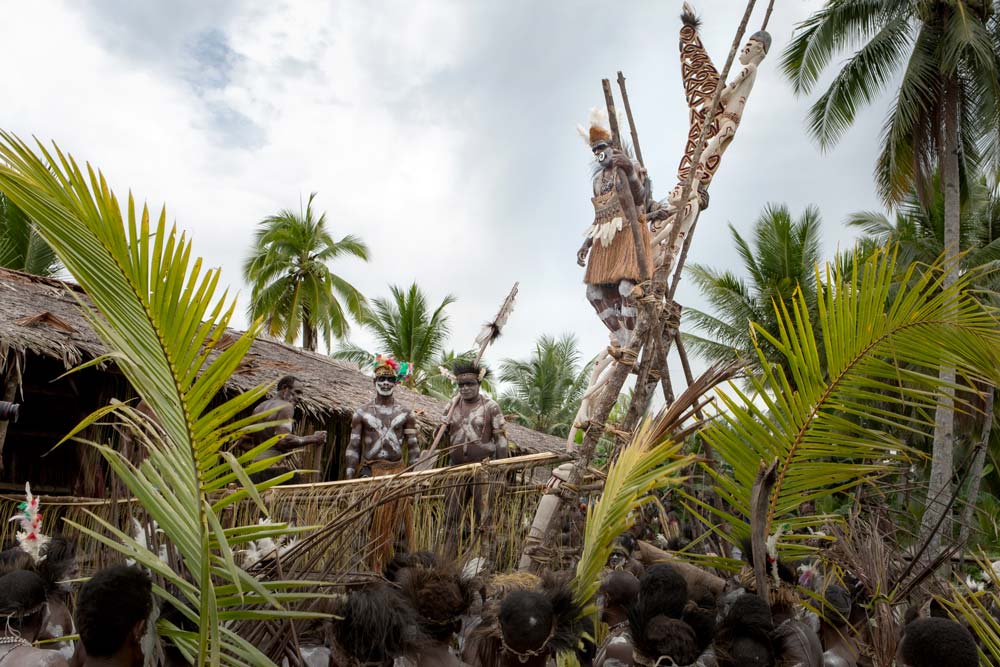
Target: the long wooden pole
pixel 631 121
pixel 609 100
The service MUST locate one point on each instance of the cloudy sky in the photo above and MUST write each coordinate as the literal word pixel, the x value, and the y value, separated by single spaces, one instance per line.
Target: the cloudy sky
pixel 440 132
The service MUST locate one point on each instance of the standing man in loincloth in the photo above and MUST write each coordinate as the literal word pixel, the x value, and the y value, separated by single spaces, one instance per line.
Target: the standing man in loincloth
pixel 476 432
pixel 379 432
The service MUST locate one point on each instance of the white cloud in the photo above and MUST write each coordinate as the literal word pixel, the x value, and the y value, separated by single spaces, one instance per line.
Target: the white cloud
pixel 442 133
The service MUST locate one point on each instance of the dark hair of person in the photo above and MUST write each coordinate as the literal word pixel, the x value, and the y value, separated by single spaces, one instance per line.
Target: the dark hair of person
pixel 938 642
pixel 59 558
pixel 662 591
pixel 526 620
pixel 664 636
pixel 109 606
pixel 837 610
pixel 13 559
pixel 744 635
pixel 404 559
pixel 439 596
pixel 287 382
pixel 628 541
pixel 22 593
pixel 377 625
pixel 462 367
pixel 620 589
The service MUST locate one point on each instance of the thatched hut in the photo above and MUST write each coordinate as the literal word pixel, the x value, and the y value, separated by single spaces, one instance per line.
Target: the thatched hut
pixel 43 334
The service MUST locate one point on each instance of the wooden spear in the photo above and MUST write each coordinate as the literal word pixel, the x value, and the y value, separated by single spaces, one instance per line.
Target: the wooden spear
pixel 609 100
pixel 489 333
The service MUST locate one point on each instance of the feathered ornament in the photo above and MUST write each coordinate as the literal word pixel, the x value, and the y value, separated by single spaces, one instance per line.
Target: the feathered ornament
pixel 446 373
pixel 598 129
pixel 772 551
pixel 401 370
pixel 491 330
pixel 30 537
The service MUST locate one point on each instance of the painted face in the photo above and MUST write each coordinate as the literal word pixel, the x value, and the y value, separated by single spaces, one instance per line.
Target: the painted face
pixel 385 385
pixel 468 388
pixel 753 52
pixel 602 153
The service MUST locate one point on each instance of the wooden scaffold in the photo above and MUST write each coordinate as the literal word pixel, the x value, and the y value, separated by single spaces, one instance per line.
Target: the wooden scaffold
pixel 716 105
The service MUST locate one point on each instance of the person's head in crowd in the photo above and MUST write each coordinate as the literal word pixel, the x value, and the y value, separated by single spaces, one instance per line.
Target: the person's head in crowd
pixel 403 560
pixel 662 591
pixel 376 625
pixel 22 604
pixel 111 615
pixel 936 642
pixel 527 623
pixel 619 591
pixel 837 610
pixel 58 564
pixel 15 558
pixel 662 637
pixel 743 638
pixel 439 596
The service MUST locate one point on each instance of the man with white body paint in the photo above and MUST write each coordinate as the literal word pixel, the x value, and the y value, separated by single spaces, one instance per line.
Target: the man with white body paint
pixel 382 428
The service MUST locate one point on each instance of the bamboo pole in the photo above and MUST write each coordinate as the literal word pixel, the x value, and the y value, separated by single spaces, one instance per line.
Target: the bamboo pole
pixel 609 100
pixel 631 122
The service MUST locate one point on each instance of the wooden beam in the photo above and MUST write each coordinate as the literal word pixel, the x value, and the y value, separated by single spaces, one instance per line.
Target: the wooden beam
pixel 609 100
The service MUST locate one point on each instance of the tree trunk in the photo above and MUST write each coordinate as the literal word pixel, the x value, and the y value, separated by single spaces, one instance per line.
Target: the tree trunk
pixel 976 473
pixel 308 336
pixel 942 461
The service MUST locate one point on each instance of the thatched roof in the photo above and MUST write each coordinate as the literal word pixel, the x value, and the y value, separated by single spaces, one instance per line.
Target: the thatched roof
pixel 41 316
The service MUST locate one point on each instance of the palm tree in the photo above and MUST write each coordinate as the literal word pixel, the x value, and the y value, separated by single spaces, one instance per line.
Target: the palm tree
pixel 918 230
pixel 405 327
pixel 21 246
pixel 292 286
pixel 543 392
pixel 780 262
pixel 947 112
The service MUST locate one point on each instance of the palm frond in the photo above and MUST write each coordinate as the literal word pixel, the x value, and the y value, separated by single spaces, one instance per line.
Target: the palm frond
pixel 828 414
pixel 652 460
pixel 163 319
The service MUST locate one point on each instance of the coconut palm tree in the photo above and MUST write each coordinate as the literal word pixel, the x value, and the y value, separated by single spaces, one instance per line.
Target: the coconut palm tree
pixel 161 320
pixel 946 113
pixel 21 246
pixel 543 392
pixel 780 261
pixel 918 229
pixel 405 327
pixel 292 287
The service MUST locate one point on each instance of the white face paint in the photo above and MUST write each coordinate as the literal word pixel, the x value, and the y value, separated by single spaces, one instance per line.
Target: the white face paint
pixel 384 386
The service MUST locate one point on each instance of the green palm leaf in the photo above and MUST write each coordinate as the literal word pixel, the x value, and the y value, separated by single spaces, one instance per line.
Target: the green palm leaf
pixel 161 317
pixel 827 415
